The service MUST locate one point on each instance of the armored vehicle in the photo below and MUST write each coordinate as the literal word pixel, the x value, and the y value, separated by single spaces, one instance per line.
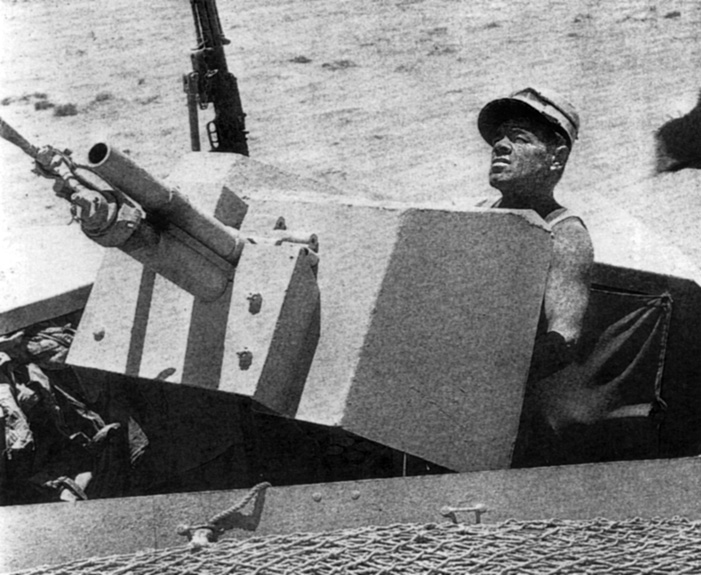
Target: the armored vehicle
pixel 327 383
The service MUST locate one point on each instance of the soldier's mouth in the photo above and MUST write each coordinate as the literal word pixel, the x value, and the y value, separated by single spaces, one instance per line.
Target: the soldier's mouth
pixel 499 165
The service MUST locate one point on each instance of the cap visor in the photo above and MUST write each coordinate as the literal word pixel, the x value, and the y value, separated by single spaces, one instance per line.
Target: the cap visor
pixel 496 112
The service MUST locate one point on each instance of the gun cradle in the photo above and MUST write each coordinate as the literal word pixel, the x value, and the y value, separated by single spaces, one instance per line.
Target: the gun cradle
pixel 159 227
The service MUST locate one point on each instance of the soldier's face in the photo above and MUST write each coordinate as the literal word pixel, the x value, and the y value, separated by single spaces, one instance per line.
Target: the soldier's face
pixel 521 158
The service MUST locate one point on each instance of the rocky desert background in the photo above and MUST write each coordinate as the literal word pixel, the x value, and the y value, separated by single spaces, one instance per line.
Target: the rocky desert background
pixel 378 99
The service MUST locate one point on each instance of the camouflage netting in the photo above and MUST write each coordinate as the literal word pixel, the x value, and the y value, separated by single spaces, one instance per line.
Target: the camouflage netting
pixel 632 546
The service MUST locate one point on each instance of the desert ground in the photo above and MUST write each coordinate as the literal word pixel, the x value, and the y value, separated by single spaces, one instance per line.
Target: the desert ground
pixel 378 99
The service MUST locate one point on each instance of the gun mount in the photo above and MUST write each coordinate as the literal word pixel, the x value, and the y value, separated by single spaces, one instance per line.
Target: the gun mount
pixel 402 295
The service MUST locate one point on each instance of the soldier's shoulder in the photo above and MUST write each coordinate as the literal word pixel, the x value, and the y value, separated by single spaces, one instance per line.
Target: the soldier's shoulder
pixel 572 236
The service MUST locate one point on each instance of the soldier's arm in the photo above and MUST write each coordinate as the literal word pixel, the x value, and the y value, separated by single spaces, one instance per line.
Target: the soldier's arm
pixel 566 299
pixel 567 288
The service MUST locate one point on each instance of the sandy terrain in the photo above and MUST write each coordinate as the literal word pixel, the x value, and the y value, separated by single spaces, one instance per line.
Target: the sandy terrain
pixel 375 98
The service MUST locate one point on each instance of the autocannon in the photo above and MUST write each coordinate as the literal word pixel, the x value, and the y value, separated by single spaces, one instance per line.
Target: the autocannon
pixel 413 330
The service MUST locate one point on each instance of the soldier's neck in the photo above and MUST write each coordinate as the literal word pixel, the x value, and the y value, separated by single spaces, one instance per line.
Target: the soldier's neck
pixel 541 203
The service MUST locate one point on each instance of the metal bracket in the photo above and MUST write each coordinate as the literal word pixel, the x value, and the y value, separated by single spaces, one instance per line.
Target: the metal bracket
pixel 478 509
pixel 205 534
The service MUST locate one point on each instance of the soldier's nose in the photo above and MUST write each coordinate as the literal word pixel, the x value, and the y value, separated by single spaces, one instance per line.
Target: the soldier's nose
pixel 502 146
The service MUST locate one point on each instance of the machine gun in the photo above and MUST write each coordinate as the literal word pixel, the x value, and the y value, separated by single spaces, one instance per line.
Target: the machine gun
pixel 211 82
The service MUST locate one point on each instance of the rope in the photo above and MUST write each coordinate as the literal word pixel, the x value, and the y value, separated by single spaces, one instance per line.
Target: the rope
pixel 555 547
pixel 203 534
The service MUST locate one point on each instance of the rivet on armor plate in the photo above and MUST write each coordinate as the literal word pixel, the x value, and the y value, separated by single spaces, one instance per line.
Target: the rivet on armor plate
pixel 255 301
pixel 245 359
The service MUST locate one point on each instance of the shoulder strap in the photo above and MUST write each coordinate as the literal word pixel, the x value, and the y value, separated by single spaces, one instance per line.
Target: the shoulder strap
pixel 560 215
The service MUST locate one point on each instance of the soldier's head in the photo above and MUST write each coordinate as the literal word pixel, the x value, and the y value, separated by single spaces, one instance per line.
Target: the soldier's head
pixel 531 133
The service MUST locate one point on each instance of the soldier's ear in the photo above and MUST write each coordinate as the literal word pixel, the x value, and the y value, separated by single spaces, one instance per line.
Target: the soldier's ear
pixel 560 155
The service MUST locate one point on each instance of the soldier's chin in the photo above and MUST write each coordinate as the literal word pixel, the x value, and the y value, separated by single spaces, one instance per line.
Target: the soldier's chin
pixel 497 179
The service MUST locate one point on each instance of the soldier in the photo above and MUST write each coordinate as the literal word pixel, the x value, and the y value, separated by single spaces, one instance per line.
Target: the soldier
pixel 531 133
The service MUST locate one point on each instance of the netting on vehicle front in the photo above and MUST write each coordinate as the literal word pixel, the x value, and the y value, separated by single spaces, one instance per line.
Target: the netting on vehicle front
pixel 635 546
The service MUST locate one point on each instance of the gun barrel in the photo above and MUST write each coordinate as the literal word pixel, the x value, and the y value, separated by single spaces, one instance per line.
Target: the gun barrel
pixel 207 23
pixel 13 136
pixel 164 203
